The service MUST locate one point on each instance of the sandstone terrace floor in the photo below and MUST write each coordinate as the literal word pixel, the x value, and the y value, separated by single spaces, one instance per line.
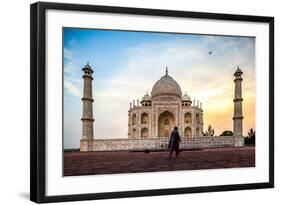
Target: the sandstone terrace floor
pixel 90 163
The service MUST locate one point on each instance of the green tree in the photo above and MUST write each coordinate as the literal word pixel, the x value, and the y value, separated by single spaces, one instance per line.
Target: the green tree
pixel 226 133
pixel 209 132
pixel 251 133
pixel 251 138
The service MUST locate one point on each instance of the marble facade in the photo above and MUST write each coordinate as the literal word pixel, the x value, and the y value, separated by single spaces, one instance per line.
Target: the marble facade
pixel 151 120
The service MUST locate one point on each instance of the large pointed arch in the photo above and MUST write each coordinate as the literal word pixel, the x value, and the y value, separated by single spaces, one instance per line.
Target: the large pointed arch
pixel 166 123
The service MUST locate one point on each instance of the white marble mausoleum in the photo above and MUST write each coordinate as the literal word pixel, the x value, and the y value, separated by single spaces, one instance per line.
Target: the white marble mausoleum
pixel 157 114
pixel 151 120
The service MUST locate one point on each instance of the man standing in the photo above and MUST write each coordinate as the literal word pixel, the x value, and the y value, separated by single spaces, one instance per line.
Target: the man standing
pixel 174 144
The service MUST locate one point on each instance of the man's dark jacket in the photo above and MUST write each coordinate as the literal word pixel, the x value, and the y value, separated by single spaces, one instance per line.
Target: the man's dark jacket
pixel 174 140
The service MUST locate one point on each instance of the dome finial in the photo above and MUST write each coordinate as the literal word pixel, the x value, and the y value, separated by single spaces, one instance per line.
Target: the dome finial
pixel 166 70
pixel 238 72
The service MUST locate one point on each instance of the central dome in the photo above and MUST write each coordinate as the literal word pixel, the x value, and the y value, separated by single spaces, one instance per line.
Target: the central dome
pixel 166 86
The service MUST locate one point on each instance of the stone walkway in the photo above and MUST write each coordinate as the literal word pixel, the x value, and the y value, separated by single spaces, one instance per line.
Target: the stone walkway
pixel 89 163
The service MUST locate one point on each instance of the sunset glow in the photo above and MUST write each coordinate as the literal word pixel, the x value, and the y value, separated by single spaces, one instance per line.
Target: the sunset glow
pixel 127 64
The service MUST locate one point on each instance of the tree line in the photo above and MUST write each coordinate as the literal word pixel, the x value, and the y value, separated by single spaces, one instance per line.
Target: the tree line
pixel 250 139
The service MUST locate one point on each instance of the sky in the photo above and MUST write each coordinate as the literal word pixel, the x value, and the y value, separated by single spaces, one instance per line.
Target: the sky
pixel 126 65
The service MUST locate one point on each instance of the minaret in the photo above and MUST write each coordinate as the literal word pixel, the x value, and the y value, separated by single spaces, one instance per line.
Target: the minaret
pixel 238 115
pixel 86 143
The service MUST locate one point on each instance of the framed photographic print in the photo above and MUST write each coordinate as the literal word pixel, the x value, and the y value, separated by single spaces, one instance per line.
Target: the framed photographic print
pixel 129 102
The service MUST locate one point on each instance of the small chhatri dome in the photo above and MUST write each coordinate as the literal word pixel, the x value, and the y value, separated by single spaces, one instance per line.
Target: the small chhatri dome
pixel 87 67
pixel 185 97
pixel 166 86
pixel 238 71
pixel 146 97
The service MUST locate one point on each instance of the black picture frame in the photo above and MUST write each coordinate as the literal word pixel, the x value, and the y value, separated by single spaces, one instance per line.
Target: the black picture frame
pixel 38 101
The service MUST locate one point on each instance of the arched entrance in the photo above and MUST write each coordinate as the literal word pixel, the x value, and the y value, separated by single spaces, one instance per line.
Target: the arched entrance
pixel 187 132
pixel 166 123
pixel 197 132
pixel 144 133
pixel 134 119
pixel 134 133
pixel 187 118
pixel 144 118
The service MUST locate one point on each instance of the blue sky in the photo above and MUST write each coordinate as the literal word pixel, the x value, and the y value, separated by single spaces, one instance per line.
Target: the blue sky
pixel 127 64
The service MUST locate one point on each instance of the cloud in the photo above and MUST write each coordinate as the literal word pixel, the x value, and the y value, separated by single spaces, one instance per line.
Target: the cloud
pixel 70 63
pixel 72 82
pixel 68 54
pixel 72 88
pixel 208 78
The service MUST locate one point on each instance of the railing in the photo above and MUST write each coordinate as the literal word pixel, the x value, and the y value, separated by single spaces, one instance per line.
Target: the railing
pixel 162 143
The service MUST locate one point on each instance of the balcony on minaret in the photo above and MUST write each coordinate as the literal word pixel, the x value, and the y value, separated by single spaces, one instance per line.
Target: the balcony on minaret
pixel 238 73
pixel 238 84
pixel 88 71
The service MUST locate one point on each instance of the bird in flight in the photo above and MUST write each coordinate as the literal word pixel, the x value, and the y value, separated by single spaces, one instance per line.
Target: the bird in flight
pixel 210 52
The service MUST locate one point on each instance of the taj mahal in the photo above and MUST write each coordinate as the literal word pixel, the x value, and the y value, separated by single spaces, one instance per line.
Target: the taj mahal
pixel 151 120
pixel 158 114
